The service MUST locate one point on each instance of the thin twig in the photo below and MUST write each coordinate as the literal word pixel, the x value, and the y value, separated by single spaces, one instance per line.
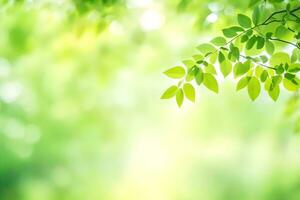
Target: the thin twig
pixel 283 41
pixel 258 63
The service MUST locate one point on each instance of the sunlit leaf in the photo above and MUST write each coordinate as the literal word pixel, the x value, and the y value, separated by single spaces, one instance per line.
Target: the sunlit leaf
pixel 199 76
pixel 270 48
pixel 232 31
pixel 191 73
pixel 258 71
pixel 189 91
pixel 189 63
pixel 175 72
pixel 218 41
pixel 179 97
pixel 240 69
pixel 289 85
pixel 244 21
pixel 170 92
pixel 210 69
pixel 226 67
pixel 295 55
pixel 206 48
pixel 243 82
pixel 294 67
pixel 280 58
pixel 274 93
pixel 213 57
pixel 253 88
pixel 210 82
pixel 198 57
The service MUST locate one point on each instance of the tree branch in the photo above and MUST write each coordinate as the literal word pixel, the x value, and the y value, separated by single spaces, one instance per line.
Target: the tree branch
pixel 283 41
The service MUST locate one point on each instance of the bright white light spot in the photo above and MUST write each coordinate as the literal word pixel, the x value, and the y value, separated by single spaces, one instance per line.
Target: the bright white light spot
pixel 115 28
pixel 138 3
pixel 14 129
pixel 211 18
pixel 215 7
pixel 5 68
pixel 151 20
pixel 148 155
pixel 9 92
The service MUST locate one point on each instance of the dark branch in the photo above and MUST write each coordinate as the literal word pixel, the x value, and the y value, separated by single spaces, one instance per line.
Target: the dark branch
pixel 283 41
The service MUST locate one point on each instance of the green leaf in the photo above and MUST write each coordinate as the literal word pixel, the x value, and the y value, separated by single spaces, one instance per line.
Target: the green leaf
pixel 251 42
pixel 276 80
pixel 253 88
pixel 281 31
pixel 264 58
pixel 234 53
pixel 226 67
pixel 270 48
pixel 188 63
pixel 240 69
pixel 256 15
pixel 258 71
pixel 289 76
pixel 244 38
pixel 280 58
pixel 179 97
pixel 269 35
pixel 268 84
pixel 232 31
pixel 191 73
pixel 198 57
pixel 199 76
pixel 210 82
pixel 175 72
pixel 213 57
pixel 243 82
pixel 221 57
pixel 289 85
pixel 249 32
pixel 260 42
pixel 210 69
pixel 279 69
pixel 294 67
pixel 170 92
pixel 254 2
pixel 244 21
pixel 295 55
pixel 189 91
pixel 274 93
pixel 218 41
pixel 206 48
pixel 264 76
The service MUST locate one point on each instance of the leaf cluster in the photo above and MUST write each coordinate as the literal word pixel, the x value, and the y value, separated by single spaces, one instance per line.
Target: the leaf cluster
pixel 250 52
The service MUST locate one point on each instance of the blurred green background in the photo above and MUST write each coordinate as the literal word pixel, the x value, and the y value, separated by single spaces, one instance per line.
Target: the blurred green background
pixel 81 118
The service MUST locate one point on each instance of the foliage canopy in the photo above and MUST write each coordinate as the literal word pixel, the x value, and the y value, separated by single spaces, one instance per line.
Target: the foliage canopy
pixel 260 52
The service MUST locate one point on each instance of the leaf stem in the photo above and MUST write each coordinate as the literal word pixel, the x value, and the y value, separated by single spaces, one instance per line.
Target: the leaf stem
pixel 261 64
pixel 284 41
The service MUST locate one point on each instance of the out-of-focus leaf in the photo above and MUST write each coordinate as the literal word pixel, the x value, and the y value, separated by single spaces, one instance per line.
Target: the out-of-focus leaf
pixel 170 92
pixel 175 72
